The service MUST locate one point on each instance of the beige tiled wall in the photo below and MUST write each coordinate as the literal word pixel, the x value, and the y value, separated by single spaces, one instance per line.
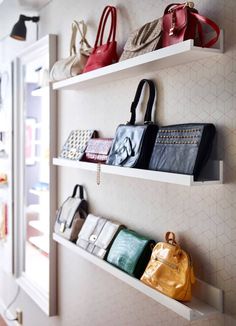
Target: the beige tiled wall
pixel 203 218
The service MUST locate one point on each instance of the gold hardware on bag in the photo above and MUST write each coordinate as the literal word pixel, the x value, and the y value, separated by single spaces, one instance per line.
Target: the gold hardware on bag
pixel 62 227
pixel 189 4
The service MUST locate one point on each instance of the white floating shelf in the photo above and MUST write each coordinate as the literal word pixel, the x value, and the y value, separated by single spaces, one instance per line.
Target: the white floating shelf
pixel 40 91
pixel 39 192
pixel 208 300
pixel 41 242
pixel 174 178
pixel 40 226
pixel 173 55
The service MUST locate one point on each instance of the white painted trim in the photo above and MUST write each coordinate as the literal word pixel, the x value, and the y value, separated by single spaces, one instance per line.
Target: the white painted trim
pixel 46 301
pixel 180 53
pixel 173 178
pixel 35 293
pixel 196 309
pixel 10 315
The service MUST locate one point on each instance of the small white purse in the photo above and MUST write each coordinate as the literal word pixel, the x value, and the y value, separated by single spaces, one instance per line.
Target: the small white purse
pixel 74 64
pixel 97 234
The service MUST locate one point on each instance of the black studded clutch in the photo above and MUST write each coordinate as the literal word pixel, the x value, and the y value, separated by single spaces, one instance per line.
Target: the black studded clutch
pixel 183 148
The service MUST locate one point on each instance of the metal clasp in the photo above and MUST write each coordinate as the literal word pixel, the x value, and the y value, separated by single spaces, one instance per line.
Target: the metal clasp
pixel 189 4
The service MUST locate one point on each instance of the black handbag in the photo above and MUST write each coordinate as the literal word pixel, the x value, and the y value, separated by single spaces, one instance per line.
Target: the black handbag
pixel 182 148
pixel 132 145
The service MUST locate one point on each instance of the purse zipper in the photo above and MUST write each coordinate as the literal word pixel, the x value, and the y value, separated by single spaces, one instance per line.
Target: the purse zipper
pixel 164 261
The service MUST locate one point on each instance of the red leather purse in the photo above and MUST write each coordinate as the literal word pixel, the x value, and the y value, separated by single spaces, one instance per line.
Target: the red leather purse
pixel 104 54
pixel 182 22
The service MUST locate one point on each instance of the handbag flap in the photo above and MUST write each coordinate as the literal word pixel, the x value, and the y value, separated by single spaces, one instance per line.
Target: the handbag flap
pixel 107 234
pixel 91 228
pixel 143 36
pixel 181 19
pixel 127 144
pixel 99 146
pixel 76 143
pixel 68 210
pixel 126 250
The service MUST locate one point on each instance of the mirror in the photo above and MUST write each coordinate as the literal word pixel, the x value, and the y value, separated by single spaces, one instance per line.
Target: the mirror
pixel 35 147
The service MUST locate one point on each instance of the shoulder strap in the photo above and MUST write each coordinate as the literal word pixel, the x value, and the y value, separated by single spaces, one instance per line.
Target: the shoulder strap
pixel 152 93
pixel 81 191
pixel 173 6
pixel 108 11
pixel 82 28
pixel 210 23
pixel 73 38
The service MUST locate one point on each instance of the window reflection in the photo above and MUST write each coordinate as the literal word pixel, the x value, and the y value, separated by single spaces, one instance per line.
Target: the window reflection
pixel 36 172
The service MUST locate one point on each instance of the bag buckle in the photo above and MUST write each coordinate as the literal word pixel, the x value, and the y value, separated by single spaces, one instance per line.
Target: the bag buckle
pixel 189 4
pixel 62 227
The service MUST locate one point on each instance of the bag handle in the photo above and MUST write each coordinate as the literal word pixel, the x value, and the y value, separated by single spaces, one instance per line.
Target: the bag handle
pixel 170 238
pixel 108 11
pixel 152 93
pixel 112 33
pixel 176 6
pixel 82 28
pixel 210 23
pixel 81 191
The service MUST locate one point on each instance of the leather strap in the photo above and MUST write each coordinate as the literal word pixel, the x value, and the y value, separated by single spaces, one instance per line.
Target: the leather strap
pixel 108 11
pixel 175 5
pixel 170 238
pixel 81 191
pixel 152 93
pixel 82 28
pixel 210 23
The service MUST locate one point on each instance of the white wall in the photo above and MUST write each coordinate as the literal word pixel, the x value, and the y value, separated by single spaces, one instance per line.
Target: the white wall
pixel 203 218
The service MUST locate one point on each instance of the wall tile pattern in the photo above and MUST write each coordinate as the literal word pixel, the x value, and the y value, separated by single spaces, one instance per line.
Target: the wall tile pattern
pixel 203 218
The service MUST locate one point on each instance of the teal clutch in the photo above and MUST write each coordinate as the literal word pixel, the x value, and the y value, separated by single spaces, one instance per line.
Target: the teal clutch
pixel 130 252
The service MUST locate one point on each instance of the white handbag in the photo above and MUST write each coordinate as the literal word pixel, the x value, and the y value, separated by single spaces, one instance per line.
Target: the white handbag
pixel 74 64
pixel 97 234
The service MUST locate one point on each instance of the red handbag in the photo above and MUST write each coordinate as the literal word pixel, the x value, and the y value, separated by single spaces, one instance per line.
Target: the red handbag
pixel 104 54
pixel 182 22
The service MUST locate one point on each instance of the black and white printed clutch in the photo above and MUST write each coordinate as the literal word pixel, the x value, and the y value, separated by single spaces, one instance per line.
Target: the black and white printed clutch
pixel 76 144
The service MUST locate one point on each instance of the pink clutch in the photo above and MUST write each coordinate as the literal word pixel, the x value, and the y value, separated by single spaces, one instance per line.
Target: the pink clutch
pixel 97 150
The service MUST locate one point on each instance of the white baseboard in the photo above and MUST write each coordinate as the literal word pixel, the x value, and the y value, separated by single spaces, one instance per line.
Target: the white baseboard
pixel 10 316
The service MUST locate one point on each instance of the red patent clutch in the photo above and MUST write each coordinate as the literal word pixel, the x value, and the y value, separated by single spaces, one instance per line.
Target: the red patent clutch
pixel 104 54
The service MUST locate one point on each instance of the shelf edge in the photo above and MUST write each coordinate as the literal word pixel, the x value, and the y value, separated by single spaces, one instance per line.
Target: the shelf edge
pixel 165 177
pixel 186 311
